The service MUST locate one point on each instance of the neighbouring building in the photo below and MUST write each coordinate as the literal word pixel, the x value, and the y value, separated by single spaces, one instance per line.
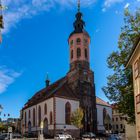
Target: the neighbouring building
pixel 118 120
pixel 15 123
pixel 52 106
pixel 134 61
pixel 104 116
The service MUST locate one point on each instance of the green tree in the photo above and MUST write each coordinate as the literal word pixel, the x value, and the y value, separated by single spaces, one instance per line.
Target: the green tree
pixel 107 122
pixel 77 117
pixel 119 87
pixel 2 127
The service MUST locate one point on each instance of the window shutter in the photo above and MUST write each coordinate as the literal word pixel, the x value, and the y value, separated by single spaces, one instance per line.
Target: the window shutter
pixel 139 67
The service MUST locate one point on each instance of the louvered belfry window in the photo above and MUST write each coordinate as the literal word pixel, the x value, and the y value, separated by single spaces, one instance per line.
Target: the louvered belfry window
pixel 78 52
pixel 68 113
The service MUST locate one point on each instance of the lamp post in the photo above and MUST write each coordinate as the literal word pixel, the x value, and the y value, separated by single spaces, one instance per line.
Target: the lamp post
pixel 41 130
pixel 1 108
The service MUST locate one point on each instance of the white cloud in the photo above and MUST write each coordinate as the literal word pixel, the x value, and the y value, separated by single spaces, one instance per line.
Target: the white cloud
pixel 109 3
pixel 7 77
pixel 127 5
pixel 97 30
pixel 21 9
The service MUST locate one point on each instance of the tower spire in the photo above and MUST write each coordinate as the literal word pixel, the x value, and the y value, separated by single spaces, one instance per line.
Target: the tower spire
pixel 47 80
pixel 78 5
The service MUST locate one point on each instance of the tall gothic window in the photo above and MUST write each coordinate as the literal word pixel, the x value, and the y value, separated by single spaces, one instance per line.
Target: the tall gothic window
pixel 51 117
pixel 104 115
pixel 39 116
pixel 68 113
pixel 45 109
pixel 78 52
pixel 34 117
pixel 29 114
pixel 86 53
pixel 71 54
pixel 25 119
pixel 78 41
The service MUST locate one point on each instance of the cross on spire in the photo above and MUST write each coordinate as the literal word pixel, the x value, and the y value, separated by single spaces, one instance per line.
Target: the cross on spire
pixel 78 5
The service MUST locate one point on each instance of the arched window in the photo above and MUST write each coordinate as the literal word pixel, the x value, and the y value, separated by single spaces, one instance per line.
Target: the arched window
pixel 71 54
pixel 85 42
pixel 51 117
pixel 104 115
pixel 86 53
pixel 25 119
pixel 78 41
pixel 45 109
pixel 39 116
pixel 78 52
pixel 68 113
pixel 29 127
pixel 45 126
pixel 34 117
pixel 29 114
pixel 71 43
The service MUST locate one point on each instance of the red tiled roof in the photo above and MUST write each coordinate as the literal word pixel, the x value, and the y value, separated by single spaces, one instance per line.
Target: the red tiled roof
pixel 102 102
pixel 58 89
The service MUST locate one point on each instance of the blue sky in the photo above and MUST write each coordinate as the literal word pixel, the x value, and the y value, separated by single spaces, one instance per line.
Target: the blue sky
pixel 35 43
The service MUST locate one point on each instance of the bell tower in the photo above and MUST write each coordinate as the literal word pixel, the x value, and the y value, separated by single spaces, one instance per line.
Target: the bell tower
pixel 80 76
pixel 79 41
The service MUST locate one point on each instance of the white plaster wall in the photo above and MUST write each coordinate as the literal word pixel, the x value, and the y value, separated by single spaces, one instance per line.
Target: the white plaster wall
pixel 100 108
pixel 49 103
pixel 60 112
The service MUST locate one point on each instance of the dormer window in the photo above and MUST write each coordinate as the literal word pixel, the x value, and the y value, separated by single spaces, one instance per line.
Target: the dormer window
pixel 78 41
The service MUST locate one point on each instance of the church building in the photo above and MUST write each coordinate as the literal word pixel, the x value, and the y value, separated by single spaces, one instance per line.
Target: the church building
pixel 54 104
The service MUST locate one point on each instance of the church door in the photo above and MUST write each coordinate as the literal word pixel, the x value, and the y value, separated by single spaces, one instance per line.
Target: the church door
pixel 29 127
pixel 45 128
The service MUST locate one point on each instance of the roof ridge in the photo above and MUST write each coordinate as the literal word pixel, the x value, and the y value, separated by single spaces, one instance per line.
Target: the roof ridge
pixel 58 87
pixel 103 101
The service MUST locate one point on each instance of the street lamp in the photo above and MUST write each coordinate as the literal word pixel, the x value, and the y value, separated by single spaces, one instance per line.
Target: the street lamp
pixel 41 133
pixel 1 108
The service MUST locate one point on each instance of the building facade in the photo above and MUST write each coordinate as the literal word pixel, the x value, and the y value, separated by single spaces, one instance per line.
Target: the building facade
pixel 53 112
pixel 134 61
pixel 118 120
pixel 104 116
pixel 52 106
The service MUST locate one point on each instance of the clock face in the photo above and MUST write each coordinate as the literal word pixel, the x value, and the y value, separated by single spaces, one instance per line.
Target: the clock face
pixel 85 73
pixel 88 79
